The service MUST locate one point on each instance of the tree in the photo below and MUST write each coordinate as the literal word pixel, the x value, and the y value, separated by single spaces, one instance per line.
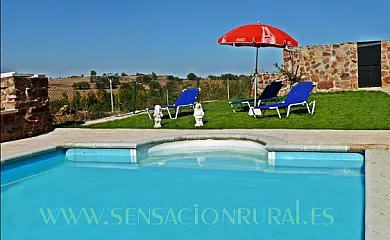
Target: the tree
pixel 81 85
pixel 76 102
pixel 93 75
pixel 124 74
pixel 173 90
pixel 154 76
pixel 155 92
pixel 212 77
pixel 229 76
pixel 125 85
pixel 125 95
pixel 154 85
pixel 103 82
pixel 65 98
pixel 191 76
pixel 144 79
pixel 292 77
pixel 170 78
pixel 102 95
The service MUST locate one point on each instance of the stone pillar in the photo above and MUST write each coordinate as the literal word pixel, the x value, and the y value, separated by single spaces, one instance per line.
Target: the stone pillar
pixel 25 107
pixel 385 63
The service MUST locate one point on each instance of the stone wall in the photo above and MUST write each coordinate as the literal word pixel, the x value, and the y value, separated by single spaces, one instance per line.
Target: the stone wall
pixel 385 63
pixel 24 107
pixel 333 67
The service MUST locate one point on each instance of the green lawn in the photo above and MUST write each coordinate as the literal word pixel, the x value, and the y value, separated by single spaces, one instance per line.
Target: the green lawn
pixel 341 110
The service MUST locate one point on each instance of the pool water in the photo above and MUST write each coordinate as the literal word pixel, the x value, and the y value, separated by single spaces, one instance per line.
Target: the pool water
pixel 216 197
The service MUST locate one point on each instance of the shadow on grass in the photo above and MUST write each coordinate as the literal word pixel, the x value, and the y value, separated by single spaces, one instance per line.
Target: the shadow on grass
pixel 182 113
pixel 283 113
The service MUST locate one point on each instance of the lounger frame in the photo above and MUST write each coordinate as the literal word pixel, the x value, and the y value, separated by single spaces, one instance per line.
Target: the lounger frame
pixel 177 109
pixel 305 103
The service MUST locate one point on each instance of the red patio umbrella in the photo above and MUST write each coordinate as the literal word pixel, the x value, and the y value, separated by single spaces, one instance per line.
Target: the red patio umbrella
pixel 257 35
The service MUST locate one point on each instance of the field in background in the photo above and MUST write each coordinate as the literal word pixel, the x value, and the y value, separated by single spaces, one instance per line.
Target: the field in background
pixel 70 105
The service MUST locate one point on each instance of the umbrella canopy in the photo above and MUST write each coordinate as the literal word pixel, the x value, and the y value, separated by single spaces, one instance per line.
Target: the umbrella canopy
pixel 257 35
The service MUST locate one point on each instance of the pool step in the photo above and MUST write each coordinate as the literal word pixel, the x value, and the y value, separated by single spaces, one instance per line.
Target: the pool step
pixel 316 159
pixel 279 159
pixel 101 155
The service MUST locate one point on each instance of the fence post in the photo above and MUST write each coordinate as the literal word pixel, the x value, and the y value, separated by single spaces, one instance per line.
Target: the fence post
pixel 197 86
pixel 134 95
pixel 228 90
pixel 167 97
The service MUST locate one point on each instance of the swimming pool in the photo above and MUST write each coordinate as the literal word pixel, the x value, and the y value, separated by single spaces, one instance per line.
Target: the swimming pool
pixel 184 190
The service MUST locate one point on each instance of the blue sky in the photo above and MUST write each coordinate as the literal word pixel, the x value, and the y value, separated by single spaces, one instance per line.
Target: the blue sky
pixel 72 37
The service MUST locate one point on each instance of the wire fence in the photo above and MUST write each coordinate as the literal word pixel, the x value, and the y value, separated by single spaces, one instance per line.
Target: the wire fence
pixel 71 105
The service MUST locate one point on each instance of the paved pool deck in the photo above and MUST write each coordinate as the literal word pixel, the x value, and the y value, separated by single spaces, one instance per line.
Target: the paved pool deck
pixel 375 144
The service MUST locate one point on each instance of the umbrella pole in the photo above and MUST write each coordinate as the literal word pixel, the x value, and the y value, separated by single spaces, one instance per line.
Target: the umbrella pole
pixel 257 58
pixel 255 78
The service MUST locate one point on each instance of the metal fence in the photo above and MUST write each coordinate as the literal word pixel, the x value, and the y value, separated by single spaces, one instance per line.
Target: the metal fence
pixel 70 105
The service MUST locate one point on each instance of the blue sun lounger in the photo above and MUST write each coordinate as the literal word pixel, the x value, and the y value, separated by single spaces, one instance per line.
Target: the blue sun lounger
pixel 186 99
pixel 270 93
pixel 298 96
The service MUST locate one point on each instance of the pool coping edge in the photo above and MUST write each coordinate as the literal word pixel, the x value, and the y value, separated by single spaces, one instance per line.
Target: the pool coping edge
pixel 270 143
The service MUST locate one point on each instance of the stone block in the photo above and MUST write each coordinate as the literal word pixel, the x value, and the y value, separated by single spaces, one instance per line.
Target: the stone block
pixel 315 78
pixel 3 83
pixel 345 76
pixel 346 84
pixel 316 65
pixel 325 85
pixel 386 79
pixel 9 105
pixel 39 109
pixel 326 60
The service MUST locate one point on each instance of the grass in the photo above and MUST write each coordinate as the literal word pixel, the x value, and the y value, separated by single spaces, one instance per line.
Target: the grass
pixel 342 110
